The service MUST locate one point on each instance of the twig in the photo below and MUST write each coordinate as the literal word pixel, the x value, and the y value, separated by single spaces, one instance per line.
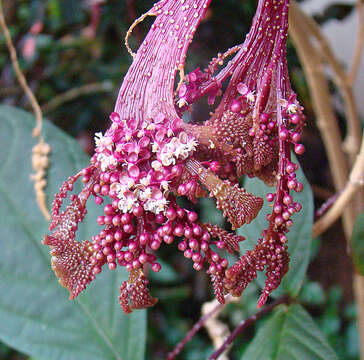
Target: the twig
pixel 217 330
pixel 191 333
pixel 319 89
pixel 302 28
pixel 356 181
pixel 246 323
pixel 19 74
pixel 359 44
pixel 41 150
pixel 341 79
pixel 76 92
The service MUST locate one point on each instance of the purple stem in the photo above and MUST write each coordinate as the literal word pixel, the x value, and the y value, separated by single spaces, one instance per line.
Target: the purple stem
pixel 148 86
pixel 189 336
pixel 247 322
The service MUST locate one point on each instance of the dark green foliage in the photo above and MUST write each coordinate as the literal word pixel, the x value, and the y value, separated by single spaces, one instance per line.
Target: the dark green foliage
pixel 289 334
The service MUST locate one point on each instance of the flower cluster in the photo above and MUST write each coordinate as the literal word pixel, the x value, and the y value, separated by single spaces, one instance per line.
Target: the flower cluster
pixel 149 157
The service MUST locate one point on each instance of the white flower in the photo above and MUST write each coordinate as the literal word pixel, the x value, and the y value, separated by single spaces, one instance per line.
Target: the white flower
pixel 187 148
pixel 103 142
pixel 145 195
pixel 167 159
pixel 145 180
pixel 106 161
pixel 156 165
pixel 292 108
pixel 156 206
pixel 164 185
pixel 182 102
pixel 119 189
pixel 250 97
pixel 155 147
pixel 178 147
pixel 127 202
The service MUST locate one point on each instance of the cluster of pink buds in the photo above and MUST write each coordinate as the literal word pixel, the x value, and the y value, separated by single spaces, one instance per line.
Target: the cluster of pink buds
pixel 149 157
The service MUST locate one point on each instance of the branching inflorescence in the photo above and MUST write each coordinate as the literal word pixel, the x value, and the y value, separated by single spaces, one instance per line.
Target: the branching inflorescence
pixel 149 157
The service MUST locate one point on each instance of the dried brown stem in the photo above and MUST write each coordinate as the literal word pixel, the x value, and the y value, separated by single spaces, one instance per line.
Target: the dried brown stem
pixel 74 93
pixel 302 29
pixel 359 44
pixel 356 182
pixel 217 330
pixel 19 74
pixel 42 149
pixel 341 79
pixel 133 25
pixel 319 89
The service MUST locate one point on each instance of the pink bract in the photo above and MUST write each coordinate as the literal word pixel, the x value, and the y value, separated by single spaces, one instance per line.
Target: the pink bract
pixel 149 156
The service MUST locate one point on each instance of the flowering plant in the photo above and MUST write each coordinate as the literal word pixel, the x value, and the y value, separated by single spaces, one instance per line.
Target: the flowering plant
pixel 147 183
pixel 149 156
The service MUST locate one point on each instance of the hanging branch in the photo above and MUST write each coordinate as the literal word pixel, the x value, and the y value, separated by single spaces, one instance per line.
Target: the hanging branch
pixel 41 150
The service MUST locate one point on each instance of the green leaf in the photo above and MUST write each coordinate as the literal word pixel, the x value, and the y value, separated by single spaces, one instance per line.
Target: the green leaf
pixel 299 236
pixel 290 333
pixel 36 316
pixel 357 244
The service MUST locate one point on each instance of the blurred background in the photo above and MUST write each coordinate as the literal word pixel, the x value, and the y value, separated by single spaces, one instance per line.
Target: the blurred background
pixel 73 55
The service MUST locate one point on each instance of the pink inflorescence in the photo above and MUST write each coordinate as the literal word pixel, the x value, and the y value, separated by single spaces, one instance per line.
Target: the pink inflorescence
pixel 149 156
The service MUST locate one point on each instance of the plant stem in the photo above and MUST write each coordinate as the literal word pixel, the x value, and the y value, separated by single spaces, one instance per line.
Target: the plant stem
pixel 42 149
pixel 302 29
pixel 192 332
pixel 247 322
pixel 359 44
pixel 356 182
pixel 19 74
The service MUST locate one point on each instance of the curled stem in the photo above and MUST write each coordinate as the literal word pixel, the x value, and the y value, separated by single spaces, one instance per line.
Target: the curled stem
pixel 133 25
